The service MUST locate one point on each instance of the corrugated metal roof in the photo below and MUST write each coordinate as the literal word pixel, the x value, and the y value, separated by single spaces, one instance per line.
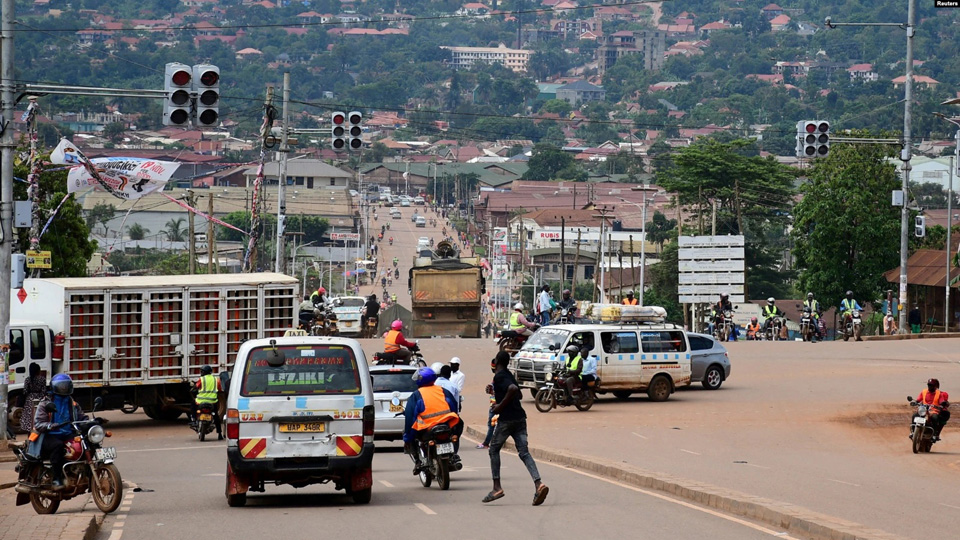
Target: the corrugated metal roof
pixel 926 267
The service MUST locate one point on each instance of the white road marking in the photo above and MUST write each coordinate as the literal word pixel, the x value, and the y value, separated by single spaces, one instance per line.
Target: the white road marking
pixel 757 466
pixel 116 534
pixel 121 517
pixel 215 474
pixel 384 482
pixel 950 506
pixel 118 525
pixel 638 435
pixel 198 447
pixel 425 510
pixel 689 452
pixel 682 503
pixel 842 482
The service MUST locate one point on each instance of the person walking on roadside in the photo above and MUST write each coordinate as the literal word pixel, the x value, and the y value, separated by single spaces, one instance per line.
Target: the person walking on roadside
pixel 543 305
pixel 510 421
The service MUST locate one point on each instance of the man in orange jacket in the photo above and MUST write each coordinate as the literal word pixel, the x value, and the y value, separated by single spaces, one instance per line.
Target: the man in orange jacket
pixel 938 402
pixel 430 406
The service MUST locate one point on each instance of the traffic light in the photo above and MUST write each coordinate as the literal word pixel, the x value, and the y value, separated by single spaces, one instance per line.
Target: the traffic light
pixel 338 133
pixel 355 131
pixel 176 94
pixel 920 226
pixel 206 80
pixel 813 138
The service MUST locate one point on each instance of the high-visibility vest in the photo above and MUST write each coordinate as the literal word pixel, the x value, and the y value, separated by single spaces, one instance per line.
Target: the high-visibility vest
pixel 753 328
pixel 924 394
pixel 769 311
pixel 208 389
pixel 515 321
pixel 630 301
pixel 390 342
pixel 848 305
pixel 574 363
pixel 436 410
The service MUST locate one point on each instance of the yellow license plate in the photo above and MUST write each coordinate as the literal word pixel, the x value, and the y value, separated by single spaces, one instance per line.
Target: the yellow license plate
pixel 309 427
pixel 396 408
pixel 347 323
pixel 206 418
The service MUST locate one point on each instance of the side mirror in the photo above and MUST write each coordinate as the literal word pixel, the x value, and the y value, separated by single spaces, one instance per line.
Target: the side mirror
pixel 909 399
pixel 98 403
pixel 275 358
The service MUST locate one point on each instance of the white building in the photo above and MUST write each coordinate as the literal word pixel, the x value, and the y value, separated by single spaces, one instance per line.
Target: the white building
pixel 464 57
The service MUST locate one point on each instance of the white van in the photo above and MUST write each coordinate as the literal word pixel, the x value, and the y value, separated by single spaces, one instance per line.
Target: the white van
pixel 300 411
pixel 631 357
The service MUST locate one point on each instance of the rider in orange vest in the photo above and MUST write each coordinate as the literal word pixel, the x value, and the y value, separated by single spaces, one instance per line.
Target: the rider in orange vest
pixel 938 402
pixel 394 342
pixel 430 406
pixel 629 300
pixel 752 329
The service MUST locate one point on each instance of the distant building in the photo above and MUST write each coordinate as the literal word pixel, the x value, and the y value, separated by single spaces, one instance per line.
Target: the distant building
pixel 308 173
pixel 862 72
pixel 579 92
pixel 650 43
pixel 514 59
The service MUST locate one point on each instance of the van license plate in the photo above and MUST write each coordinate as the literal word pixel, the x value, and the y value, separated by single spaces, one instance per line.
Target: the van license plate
pixel 396 408
pixel 309 427
pixel 445 448
pixel 106 453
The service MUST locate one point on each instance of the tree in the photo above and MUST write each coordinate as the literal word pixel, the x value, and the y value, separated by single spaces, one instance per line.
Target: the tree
pixel 546 161
pixel 137 231
pixel 174 230
pixel 660 229
pixel 846 232
pixel 114 131
pixel 101 213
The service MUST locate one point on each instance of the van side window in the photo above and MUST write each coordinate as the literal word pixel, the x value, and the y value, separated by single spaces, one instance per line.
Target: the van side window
pixel 583 339
pixel 16 346
pixel 666 341
pixel 38 344
pixel 619 342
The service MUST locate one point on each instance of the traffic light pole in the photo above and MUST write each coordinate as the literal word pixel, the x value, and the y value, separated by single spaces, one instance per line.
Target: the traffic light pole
pixel 7 147
pixel 282 177
pixel 905 153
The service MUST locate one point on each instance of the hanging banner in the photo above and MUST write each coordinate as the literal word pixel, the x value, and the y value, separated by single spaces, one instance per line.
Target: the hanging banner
pixel 125 177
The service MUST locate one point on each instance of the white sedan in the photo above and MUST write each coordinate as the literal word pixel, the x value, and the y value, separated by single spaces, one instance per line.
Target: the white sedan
pixel 392 386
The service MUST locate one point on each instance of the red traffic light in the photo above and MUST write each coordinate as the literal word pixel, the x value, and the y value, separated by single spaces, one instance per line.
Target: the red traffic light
pixel 339 118
pixel 810 127
pixel 181 77
pixel 209 78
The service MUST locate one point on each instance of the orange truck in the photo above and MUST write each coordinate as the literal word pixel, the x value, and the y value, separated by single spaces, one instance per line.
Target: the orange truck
pixel 446 292
pixel 141 341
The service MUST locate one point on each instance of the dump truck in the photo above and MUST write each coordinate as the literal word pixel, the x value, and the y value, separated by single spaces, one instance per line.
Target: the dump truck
pixel 446 292
pixel 141 341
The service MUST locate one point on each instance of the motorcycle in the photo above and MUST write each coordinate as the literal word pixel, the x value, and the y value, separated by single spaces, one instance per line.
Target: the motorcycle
pixel 565 316
pixel 436 457
pixel 204 425
pixel 395 262
pixel 391 241
pixel 852 326
pixel 371 328
pixel 808 328
pixel 383 358
pixel 511 340
pixel 774 330
pixel 921 432
pixel 396 274
pixel 89 467
pixel 724 326
pixel 553 393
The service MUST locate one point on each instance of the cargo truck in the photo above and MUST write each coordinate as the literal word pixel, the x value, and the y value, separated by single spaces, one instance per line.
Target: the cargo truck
pixel 446 292
pixel 140 341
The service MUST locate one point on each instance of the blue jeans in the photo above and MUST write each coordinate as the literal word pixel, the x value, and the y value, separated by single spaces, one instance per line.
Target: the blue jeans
pixel 490 428
pixel 544 318
pixel 518 430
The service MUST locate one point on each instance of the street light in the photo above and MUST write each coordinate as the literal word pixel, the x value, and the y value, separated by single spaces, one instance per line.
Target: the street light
pixel 643 237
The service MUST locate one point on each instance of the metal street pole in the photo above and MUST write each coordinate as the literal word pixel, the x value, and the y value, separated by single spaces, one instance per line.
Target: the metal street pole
pixel 282 177
pixel 946 285
pixel 643 247
pixel 905 153
pixel 7 147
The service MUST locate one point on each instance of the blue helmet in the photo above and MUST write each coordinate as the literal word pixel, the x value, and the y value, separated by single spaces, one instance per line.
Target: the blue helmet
pixel 61 385
pixel 425 377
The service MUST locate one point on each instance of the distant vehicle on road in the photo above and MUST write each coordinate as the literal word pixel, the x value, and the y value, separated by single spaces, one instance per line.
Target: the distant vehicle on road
pixel 419 200
pixel 421 221
pixel 392 386
pixel 709 361
pixel 348 310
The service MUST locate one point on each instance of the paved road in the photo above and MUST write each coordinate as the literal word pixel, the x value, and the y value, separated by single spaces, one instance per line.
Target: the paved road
pixel 185 479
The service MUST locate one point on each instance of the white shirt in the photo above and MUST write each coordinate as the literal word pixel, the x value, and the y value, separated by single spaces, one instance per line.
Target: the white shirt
pixel 457 378
pixel 544 301
pixel 446 384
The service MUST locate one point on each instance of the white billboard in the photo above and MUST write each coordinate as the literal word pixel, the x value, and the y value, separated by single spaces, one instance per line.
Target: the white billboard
pixel 710 266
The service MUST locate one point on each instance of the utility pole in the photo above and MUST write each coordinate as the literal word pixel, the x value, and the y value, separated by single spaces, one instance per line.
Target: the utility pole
pixel 576 266
pixel 282 180
pixel 210 234
pixel 905 153
pixel 603 221
pixel 946 304
pixel 191 232
pixel 713 230
pixel 7 147
pixel 563 251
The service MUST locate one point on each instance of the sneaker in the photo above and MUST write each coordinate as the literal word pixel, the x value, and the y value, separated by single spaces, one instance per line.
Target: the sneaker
pixel 481 446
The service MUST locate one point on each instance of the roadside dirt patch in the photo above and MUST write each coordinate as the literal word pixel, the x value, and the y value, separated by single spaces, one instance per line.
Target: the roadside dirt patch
pixel 877 416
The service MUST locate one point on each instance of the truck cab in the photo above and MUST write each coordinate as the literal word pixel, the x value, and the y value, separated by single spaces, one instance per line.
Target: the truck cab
pixel 30 342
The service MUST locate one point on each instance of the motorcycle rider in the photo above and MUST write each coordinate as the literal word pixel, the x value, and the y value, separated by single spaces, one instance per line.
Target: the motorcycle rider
pixel 519 323
pixel 395 343
pixel 569 304
pixel 206 389
pixel 770 312
pixel 443 381
pixel 305 311
pixel 51 425
pixel 752 329
pixel 717 310
pixel 428 406
pixel 630 300
pixel 815 312
pixel 396 274
pixel 938 402
pixel 370 309
pixel 847 306
pixel 574 367
pixel 319 298
pixel 589 366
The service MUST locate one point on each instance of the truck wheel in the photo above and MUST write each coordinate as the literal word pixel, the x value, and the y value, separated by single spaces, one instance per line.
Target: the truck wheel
pixel 237 500
pixel 166 414
pixel 151 411
pixel 363 496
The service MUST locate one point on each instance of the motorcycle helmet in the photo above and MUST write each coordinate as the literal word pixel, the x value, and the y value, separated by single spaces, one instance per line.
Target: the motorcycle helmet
pixel 770 301
pixel 436 366
pixel 753 320
pixel 849 294
pixel 518 306
pixel 934 383
pixel 572 350
pixel 424 377
pixel 61 385
pixel 321 290
pixel 724 296
pixel 396 325
pixel 566 292
pixel 206 370
pixel 809 296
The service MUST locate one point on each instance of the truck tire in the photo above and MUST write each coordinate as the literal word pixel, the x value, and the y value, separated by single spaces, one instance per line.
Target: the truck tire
pixel 157 412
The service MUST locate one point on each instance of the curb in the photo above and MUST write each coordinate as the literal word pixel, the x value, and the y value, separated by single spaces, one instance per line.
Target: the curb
pixel 93 528
pixel 789 517
pixel 899 337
